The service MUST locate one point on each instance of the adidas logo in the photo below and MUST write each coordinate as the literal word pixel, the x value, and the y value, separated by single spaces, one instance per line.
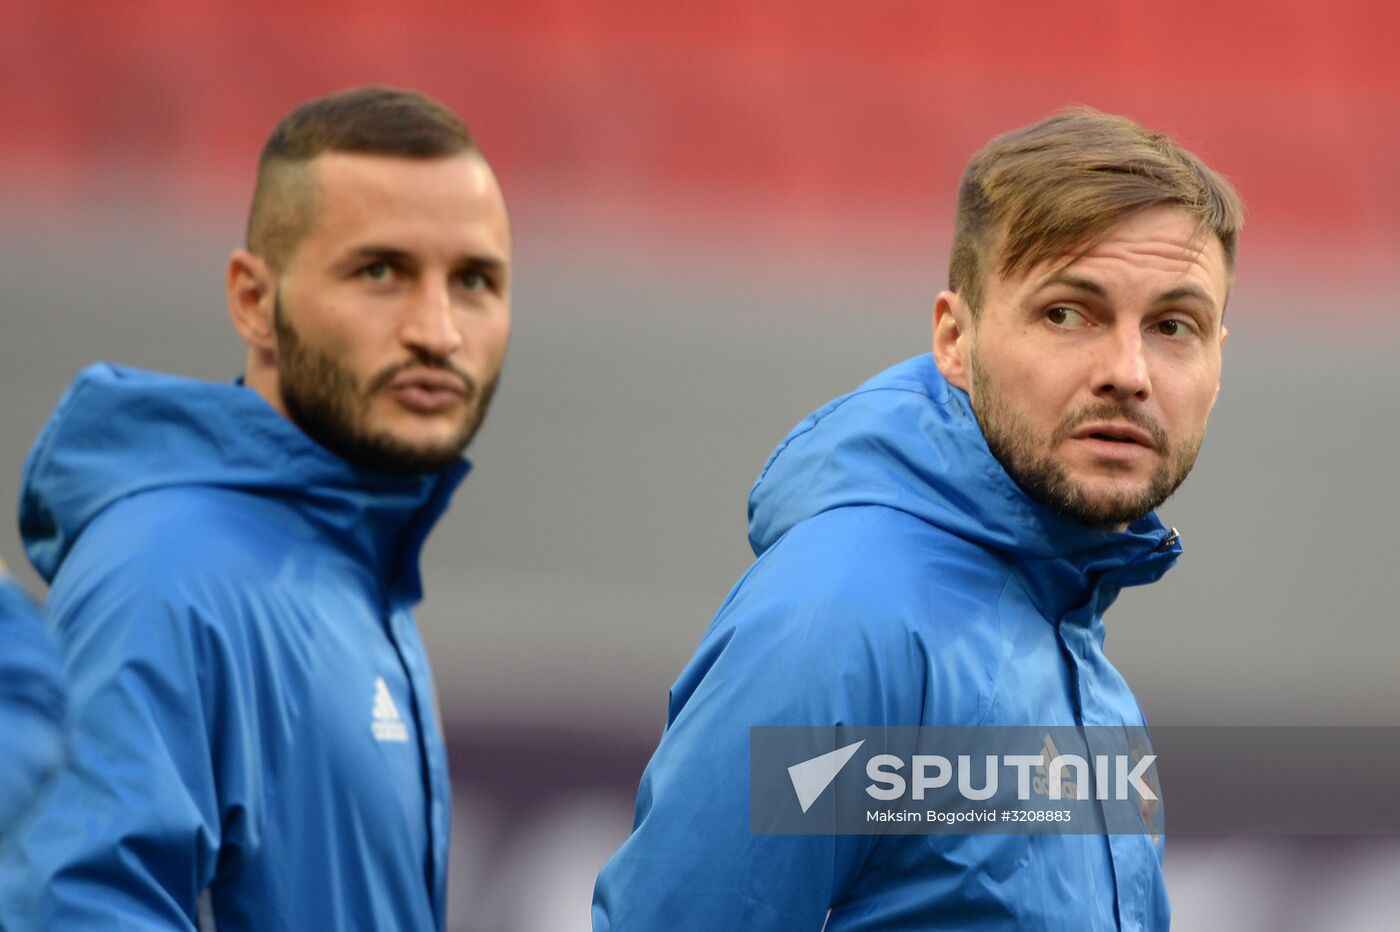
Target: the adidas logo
pixel 387 724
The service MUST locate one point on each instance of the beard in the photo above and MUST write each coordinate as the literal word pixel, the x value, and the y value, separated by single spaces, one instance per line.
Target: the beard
pixel 326 400
pixel 1030 462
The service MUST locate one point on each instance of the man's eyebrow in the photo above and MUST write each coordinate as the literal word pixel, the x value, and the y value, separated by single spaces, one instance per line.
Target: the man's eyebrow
pixel 488 264
pixel 1179 293
pixel 1073 281
pixel 1186 292
pixel 373 253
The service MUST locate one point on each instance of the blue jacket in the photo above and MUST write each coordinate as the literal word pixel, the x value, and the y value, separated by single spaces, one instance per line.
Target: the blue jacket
pixel 31 704
pixel 253 724
pixel 902 579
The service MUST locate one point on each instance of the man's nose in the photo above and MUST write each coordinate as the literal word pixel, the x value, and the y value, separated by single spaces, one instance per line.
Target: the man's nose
pixel 429 321
pixel 1122 371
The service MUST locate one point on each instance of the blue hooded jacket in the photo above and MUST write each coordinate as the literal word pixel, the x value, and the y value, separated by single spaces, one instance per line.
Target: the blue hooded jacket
pixel 254 732
pixel 31 704
pixel 902 578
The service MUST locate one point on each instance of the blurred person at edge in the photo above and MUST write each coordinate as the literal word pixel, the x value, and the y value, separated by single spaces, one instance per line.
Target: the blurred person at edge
pixel 937 548
pixel 31 703
pixel 233 567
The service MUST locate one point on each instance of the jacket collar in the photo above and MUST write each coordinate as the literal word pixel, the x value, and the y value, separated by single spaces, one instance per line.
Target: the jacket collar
pixel 118 432
pixel 906 439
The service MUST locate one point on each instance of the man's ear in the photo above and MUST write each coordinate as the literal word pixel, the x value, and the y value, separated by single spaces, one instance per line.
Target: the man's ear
pixel 952 338
pixel 1224 335
pixel 252 294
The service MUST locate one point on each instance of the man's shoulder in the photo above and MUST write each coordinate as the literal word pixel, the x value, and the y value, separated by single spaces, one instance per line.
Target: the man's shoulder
pixel 182 546
pixel 191 523
pixel 850 612
pixel 883 554
pixel 866 580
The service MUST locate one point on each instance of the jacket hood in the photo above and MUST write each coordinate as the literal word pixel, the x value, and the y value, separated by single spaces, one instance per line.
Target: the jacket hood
pixel 118 432
pixel 908 440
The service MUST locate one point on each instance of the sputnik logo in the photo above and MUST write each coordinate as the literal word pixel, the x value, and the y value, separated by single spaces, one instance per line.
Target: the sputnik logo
pixel 811 777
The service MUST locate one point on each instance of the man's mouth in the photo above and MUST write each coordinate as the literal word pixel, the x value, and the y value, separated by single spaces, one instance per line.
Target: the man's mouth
pixel 1125 434
pixel 428 392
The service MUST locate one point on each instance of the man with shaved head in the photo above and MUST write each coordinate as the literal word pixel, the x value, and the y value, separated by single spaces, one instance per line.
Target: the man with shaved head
pixel 254 735
pixel 937 550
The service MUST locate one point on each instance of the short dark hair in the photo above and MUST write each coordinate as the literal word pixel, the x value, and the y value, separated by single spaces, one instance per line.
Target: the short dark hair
pixel 1060 186
pixel 368 120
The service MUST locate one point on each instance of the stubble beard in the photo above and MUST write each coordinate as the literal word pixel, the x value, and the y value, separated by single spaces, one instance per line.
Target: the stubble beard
pixel 325 399
pixel 1030 461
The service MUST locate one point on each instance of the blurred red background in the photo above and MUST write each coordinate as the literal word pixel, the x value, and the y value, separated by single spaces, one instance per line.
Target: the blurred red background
pixel 806 116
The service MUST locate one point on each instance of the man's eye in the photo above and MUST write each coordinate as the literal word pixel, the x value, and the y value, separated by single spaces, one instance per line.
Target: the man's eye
pixel 1171 327
pixel 477 281
pixel 378 272
pixel 1064 317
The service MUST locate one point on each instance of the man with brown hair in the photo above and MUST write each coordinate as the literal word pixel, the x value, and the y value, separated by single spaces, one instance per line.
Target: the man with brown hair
pixel 938 547
pixel 233 567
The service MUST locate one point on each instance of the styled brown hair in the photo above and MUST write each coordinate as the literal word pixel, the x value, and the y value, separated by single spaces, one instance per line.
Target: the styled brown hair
pixel 368 120
pixel 1060 186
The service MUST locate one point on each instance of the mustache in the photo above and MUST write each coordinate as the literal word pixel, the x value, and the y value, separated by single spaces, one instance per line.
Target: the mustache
pixel 1108 411
pixel 384 377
